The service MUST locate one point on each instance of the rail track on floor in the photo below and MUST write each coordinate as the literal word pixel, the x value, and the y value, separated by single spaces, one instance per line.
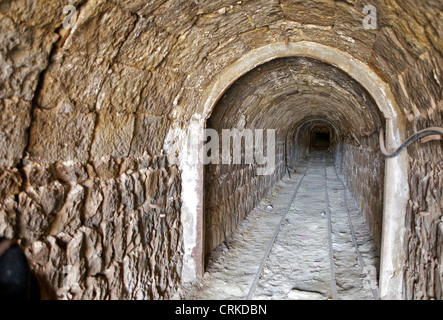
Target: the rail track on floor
pixel 333 294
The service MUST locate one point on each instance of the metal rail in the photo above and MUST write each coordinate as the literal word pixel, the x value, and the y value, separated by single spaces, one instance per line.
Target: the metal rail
pixel 334 292
pixel 276 232
pixel 331 249
pixel 354 241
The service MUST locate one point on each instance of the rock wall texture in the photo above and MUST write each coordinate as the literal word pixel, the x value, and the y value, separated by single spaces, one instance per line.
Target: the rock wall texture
pixel 108 90
pixel 423 270
pixel 231 192
pixel 107 230
pixel 363 167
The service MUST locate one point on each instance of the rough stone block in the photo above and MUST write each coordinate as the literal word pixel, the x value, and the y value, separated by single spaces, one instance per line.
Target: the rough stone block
pixel 15 119
pixel 113 136
pixel 24 53
pixel 389 55
pixel 73 82
pixel 318 12
pixel 149 135
pixel 146 47
pixel 113 23
pixel 123 90
pixel 61 136
pixel 263 13
pixel 10 182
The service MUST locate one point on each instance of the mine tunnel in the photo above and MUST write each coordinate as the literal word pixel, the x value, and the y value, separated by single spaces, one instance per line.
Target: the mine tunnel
pixel 314 108
pixel 223 149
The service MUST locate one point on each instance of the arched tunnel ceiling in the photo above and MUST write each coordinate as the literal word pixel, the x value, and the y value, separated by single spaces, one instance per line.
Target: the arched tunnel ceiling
pixel 128 87
pixel 286 92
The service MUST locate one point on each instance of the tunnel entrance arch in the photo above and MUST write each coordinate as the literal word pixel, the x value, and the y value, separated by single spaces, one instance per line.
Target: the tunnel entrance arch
pixel 396 169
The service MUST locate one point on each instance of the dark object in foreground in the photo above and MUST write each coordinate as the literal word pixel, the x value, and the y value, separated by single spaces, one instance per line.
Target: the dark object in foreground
pixel 16 279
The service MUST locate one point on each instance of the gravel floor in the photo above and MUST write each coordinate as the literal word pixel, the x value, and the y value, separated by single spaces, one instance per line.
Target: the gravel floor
pixel 298 266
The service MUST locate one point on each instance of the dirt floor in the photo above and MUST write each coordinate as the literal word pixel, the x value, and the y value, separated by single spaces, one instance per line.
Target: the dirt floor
pixel 298 266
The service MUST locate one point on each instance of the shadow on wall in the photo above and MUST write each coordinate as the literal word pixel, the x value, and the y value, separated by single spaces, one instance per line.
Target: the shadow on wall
pixel 17 282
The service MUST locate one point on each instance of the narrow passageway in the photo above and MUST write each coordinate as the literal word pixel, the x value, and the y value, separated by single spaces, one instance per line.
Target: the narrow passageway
pixel 322 250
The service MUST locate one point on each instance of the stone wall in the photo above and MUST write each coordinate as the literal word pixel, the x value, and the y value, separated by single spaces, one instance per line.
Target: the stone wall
pixel 424 222
pixel 231 192
pixel 363 168
pixel 107 230
pixel 85 186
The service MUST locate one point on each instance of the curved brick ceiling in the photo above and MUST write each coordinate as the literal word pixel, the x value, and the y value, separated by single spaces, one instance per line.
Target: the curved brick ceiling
pixel 284 93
